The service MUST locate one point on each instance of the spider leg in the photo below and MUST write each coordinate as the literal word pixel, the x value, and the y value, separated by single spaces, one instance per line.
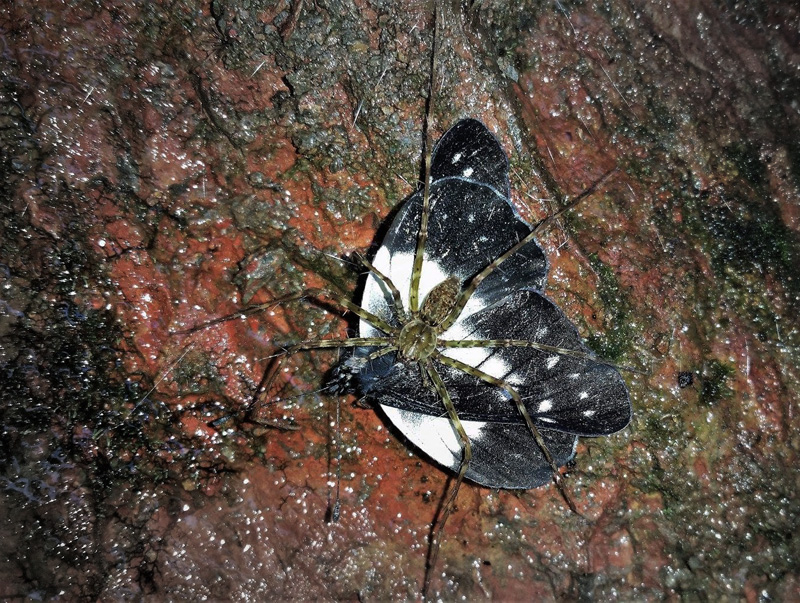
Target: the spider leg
pixel 314 295
pixel 335 507
pixel 524 343
pixel 318 296
pixel 398 302
pixel 466 451
pixel 277 364
pixel 483 376
pixel 467 292
pixel 422 235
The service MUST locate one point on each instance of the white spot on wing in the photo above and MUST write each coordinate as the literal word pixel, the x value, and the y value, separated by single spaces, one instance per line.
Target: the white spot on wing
pixel 552 361
pixel 456 158
pixel 467 172
pixel 375 297
pixel 545 405
pixel 495 366
pixel 583 395
pixel 589 413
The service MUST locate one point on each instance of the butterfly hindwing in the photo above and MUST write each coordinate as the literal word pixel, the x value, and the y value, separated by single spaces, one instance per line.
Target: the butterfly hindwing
pixel 575 395
pixel 503 455
pixel 578 395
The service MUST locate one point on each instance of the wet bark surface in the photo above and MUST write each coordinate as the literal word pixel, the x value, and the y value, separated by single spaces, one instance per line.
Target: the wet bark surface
pixel 165 164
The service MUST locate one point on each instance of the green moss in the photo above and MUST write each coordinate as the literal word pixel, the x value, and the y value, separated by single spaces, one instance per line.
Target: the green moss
pixel 747 159
pixel 742 237
pixel 715 382
pixel 753 241
pixel 660 431
pixel 614 340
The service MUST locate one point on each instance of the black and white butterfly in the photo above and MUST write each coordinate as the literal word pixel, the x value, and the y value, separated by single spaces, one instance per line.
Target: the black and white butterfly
pixel 486 328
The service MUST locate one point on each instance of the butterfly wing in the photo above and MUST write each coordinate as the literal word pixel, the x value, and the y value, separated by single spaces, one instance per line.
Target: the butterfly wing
pixel 470 151
pixel 565 396
pixel 504 455
pixel 577 395
pixel 471 222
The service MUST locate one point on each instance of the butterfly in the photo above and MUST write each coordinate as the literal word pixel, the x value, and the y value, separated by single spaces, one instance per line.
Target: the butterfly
pixel 457 340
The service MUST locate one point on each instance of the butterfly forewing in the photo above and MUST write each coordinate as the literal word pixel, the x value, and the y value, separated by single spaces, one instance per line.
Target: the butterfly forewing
pixel 468 150
pixel 470 224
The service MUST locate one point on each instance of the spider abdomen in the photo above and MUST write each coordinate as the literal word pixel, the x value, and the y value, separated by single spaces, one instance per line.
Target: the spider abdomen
pixel 440 301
